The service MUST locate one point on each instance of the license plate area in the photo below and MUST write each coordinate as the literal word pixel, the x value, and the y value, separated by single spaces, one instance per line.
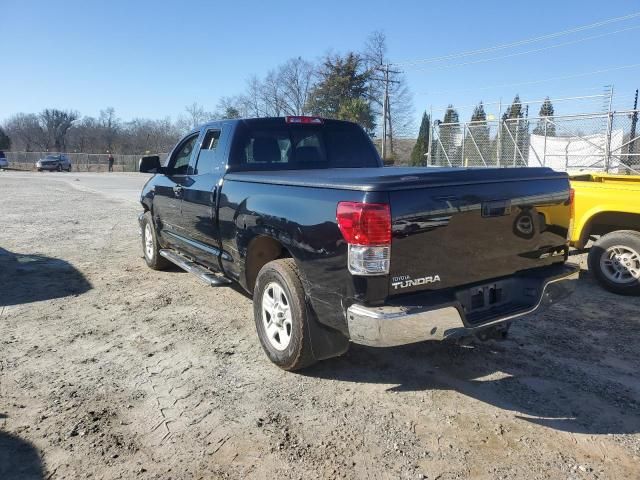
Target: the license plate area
pixel 490 300
pixel 485 297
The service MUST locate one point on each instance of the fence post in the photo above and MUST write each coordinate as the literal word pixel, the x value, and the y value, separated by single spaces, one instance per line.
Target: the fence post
pixel 431 128
pixel 515 142
pixel 499 147
pixel 544 150
pixel 607 146
pixel 463 163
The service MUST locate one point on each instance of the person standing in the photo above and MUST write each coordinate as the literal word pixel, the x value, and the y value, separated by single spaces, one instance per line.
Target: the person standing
pixel 110 162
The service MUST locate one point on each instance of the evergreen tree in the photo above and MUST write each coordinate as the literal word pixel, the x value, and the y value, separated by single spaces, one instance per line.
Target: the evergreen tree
pixel 477 145
pixel 449 133
pixel 343 80
pixel 546 112
pixel 231 112
pixel 356 110
pixel 515 128
pixel 5 141
pixel 420 149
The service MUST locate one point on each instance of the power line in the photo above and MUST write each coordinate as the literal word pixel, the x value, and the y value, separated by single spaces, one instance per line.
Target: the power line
pixel 535 50
pixel 408 63
pixel 566 77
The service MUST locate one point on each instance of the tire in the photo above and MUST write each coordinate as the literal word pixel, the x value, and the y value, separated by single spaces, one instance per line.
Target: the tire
pixel 614 259
pixel 40 170
pixel 286 342
pixel 150 245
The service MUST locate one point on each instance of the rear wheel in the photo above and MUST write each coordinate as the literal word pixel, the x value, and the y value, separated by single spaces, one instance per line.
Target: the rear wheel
pixel 281 315
pixel 614 259
pixel 150 245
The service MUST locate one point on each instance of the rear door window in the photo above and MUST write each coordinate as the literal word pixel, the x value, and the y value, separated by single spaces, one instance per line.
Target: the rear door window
pixel 207 156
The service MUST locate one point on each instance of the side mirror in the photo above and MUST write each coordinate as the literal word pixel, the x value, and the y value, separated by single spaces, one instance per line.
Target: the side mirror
pixel 150 164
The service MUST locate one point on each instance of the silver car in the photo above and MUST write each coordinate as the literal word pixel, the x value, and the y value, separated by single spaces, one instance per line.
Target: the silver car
pixel 57 162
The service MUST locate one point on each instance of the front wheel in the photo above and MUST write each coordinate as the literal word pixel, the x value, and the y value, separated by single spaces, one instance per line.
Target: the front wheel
pixel 615 261
pixel 281 315
pixel 150 245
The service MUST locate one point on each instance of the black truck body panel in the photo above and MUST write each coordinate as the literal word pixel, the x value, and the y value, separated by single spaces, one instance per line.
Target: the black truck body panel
pixel 451 228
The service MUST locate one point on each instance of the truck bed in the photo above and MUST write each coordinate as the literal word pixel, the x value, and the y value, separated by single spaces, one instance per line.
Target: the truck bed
pixel 450 227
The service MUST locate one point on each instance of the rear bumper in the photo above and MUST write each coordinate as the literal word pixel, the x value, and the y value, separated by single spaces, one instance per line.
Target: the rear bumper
pixel 406 322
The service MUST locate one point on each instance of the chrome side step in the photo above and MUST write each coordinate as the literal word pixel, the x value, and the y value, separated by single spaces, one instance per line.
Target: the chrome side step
pixel 203 273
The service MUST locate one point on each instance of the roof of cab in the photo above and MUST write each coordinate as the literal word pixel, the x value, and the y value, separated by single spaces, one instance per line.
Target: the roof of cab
pixel 266 120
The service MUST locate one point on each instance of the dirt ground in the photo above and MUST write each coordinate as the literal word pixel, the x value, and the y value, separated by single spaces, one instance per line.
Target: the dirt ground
pixel 111 370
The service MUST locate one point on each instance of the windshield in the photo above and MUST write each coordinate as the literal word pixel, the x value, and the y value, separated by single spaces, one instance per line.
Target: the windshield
pixel 51 157
pixel 271 144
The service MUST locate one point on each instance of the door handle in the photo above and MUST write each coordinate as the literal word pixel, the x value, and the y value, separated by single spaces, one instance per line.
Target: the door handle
pixel 177 190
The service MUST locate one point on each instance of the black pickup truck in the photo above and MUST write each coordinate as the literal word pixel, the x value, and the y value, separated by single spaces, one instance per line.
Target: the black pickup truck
pixel 334 247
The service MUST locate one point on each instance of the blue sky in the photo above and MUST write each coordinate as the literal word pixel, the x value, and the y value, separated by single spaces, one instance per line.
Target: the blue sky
pixel 151 58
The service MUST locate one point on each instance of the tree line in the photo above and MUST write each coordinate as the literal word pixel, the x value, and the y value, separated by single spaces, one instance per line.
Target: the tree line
pixel 66 131
pixel 473 143
pixel 345 86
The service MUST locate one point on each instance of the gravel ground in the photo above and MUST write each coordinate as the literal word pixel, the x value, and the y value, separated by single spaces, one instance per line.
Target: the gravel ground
pixel 111 370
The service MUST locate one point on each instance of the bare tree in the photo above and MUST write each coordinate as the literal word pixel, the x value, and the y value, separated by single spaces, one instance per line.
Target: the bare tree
pixel 402 120
pixel 283 91
pixel 296 77
pixel 142 136
pixel 272 94
pixel 56 124
pixel 196 115
pixel 110 126
pixel 252 99
pixel 85 136
pixel 25 132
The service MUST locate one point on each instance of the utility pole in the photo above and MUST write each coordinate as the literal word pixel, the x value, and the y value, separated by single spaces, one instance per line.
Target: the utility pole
pixel 386 111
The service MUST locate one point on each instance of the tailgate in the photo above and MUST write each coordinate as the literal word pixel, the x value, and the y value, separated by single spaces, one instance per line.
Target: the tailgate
pixel 461 233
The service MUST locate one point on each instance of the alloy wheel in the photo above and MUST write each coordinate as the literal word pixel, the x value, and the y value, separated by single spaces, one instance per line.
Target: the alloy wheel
pixel 276 316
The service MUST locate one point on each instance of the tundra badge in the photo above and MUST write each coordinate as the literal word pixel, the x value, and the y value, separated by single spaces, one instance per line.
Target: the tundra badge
pixel 403 281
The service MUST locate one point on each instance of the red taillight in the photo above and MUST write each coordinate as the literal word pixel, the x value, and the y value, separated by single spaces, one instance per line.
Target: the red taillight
pixel 304 120
pixel 364 223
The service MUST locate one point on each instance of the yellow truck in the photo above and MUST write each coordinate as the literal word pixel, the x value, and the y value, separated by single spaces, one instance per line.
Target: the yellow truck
pixel 608 206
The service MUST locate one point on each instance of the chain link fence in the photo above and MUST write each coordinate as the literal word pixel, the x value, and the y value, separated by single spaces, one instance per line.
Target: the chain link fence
pixel 80 162
pixel 606 142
